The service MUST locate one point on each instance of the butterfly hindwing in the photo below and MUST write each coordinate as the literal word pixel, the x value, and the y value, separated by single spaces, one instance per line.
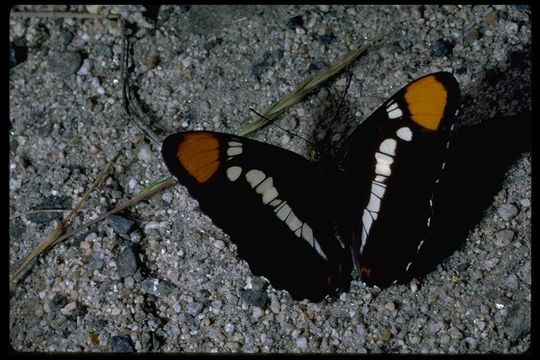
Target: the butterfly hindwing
pixel 391 164
pixel 273 203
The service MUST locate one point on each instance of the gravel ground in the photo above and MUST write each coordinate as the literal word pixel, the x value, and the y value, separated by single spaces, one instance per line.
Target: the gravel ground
pixel 161 277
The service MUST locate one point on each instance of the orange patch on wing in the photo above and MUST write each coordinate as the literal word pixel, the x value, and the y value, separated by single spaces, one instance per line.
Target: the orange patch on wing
pixel 426 99
pixel 199 155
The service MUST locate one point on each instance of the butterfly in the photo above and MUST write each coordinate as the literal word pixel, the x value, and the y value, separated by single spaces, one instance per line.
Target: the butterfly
pixel 304 225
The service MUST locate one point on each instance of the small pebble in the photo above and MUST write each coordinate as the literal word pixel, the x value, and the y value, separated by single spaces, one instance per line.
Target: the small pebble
pixel 525 202
pixel 255 297
pixel 126 262
pixel 145 153
pixel 512 281
pixel 121 344
pixel 504 238
pixel 94 149
pixel 324 8
pixel 257 312
pixel 507 211
pixel 275 306
pixel 120 224
pixel 385 335
pixel 152 287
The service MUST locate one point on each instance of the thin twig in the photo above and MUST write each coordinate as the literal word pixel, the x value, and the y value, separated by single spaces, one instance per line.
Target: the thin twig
pixel 144 195
pixel 132 106
pixel 53 236
pixel 38 211
pixel 54 14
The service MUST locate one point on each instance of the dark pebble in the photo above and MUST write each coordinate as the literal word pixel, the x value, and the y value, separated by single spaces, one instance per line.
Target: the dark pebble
pixel 255 298
pixel 17 54
pixel 313 68
pixel 126 262
pixel 184 8
pixel 443 48
pixel 295 22
pixel 16 228
pixel 121 344
pixel 461 70
pixel 121 225
pixel 269 58
pixel 518 321
pixel 64 63
pixel 66 37
pixel 51 202
pixel 104 50
pixel 58 302
pixel 326 39
pixel 97 262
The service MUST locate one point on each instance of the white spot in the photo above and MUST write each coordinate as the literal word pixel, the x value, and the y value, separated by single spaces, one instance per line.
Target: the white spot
pixel 396 113
pixel 366 221
pixel 377 189
pixel 234 143
pixel 404 133
pixel 383 159
pixel 233 151
pixel 307 233
pixel 234 172
pixel 419 246
pixel 363 244
pixel 388 146
pixel 408 266
pixel 383 164
pixel 319 250
pixel 283 212
pixel 380 179
pixel 264 186
pixel 392 106
pixel 298 232
pixel 276 202
pixel 383 169
pixel 254 177
pixel 293 222
pixel 428 221
pixel 374 203
pixel 269 195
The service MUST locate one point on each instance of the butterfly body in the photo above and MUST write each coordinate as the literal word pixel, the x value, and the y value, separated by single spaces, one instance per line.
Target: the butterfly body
pixel 298 227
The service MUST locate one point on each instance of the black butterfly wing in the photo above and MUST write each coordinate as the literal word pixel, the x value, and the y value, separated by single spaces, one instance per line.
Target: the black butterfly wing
pixel 272 202
pixel 392 163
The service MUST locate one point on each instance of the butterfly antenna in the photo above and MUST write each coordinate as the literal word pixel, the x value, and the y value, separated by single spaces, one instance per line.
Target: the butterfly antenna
pixel 281 128
pixel 349 78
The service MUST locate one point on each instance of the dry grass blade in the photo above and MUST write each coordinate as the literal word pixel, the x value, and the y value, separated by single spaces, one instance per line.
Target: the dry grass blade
pixel 55 234
pixel 148 192
pixel 301 90
pixel 38 211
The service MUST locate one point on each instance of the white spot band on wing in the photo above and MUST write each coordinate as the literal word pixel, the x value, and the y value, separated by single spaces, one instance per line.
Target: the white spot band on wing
pixel 234 172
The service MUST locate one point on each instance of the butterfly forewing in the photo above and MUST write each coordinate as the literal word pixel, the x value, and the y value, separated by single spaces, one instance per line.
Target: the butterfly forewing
pixel 274 205
pixel 391 165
